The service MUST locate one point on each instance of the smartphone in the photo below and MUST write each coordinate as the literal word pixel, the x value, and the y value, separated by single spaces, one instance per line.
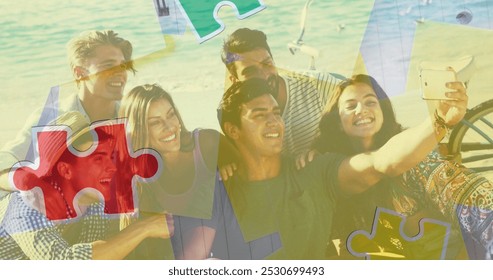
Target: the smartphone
pixel 433 83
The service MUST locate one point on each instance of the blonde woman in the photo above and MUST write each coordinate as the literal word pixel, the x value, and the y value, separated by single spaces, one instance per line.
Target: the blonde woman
pixel 185 187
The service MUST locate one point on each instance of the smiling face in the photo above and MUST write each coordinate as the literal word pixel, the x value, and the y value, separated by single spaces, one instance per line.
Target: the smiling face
pixel 360 112
pixel 262 128
pixel 163 127
pixel 105 73
pixel 95 170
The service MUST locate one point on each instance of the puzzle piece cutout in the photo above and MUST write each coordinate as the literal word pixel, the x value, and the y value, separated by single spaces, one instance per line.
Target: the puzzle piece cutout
pixel 387 239
pixel 203 15
pixel 120 198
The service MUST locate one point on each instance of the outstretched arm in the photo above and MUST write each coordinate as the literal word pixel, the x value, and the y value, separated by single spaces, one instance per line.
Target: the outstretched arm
pixel 31 234
pixel 119 246
pixel 405 150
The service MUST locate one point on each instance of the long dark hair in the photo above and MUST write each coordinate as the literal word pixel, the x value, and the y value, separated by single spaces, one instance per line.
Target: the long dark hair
pixel 356 212
pixel 333 139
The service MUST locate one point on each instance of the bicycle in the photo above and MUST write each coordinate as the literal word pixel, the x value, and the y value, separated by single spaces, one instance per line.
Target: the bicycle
pixel 470 142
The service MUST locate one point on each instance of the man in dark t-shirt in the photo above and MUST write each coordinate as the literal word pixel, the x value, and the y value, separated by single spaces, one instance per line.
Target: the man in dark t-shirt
pixel 272 209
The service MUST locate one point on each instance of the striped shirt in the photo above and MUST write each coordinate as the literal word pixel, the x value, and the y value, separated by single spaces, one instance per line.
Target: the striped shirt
pixel 26 233
pixel 307 95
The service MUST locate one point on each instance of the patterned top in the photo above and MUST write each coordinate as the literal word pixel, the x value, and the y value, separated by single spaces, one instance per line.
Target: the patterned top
pixel 27 234
pixel 307 94
pixel 435 188
pixel 459 194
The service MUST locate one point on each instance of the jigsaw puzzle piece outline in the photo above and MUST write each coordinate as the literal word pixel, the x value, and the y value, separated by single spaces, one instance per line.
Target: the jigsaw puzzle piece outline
pixel 139 161
pixel 144 163
pixel 40 193
pixel 195 13
pixel 425 225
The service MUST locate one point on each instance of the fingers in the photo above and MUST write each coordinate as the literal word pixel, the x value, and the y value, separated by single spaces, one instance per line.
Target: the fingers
pixel 223 174
pixel 305 158
pixel 456 85
pixel 452 111
pixel 300 161
pixel 227 171
pixel 458 98
pixel 170 222
pixel 457 95
pixel 460 104
pixel 311 155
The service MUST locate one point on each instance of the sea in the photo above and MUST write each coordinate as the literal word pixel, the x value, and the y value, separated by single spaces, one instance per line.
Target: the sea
pixel 385 38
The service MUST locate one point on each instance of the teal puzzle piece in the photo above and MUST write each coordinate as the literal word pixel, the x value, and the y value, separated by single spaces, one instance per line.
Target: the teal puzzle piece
pixel 202 15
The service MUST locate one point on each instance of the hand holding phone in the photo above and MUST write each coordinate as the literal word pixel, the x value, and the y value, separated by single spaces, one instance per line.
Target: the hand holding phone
pixel 433 83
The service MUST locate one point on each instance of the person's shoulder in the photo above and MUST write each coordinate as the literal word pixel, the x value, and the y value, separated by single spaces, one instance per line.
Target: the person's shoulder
pixel 319 162
pixel 21 214
pixel 320 166
pixel 326 158
pixel 208 140
pixel 14 201
pixel 207 134
pixel 311 75
pixel 70 102
pixel 308 81
pixel 208 145
pixel 293 76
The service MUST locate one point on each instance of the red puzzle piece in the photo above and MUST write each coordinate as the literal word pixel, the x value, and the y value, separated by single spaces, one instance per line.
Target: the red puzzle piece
pixel 121 196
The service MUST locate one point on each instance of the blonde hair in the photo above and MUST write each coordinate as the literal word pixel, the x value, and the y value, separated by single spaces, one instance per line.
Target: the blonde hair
pixel 135 106
pixel 82 47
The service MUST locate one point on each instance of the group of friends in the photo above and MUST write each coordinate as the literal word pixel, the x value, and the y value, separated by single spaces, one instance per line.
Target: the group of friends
pixel 303 160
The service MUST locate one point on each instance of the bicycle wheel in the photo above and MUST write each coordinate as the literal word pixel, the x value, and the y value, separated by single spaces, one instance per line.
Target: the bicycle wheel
pixel 471 142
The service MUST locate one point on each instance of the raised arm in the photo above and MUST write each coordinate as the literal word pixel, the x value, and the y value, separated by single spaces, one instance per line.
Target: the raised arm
pixel 405 150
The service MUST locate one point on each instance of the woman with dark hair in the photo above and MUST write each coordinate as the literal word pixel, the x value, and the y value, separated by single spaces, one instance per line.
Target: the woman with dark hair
pixel 360 118
pixel 186 184
pixel 342 142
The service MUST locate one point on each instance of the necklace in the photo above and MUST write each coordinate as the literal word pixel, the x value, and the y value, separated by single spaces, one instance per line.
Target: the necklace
pixel 68 210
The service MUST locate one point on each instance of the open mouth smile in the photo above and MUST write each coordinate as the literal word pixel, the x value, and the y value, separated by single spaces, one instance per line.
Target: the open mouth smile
pixel 273 135
pixel 169 138
pixel 105 181
pixel 116 84
pixel 363 121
